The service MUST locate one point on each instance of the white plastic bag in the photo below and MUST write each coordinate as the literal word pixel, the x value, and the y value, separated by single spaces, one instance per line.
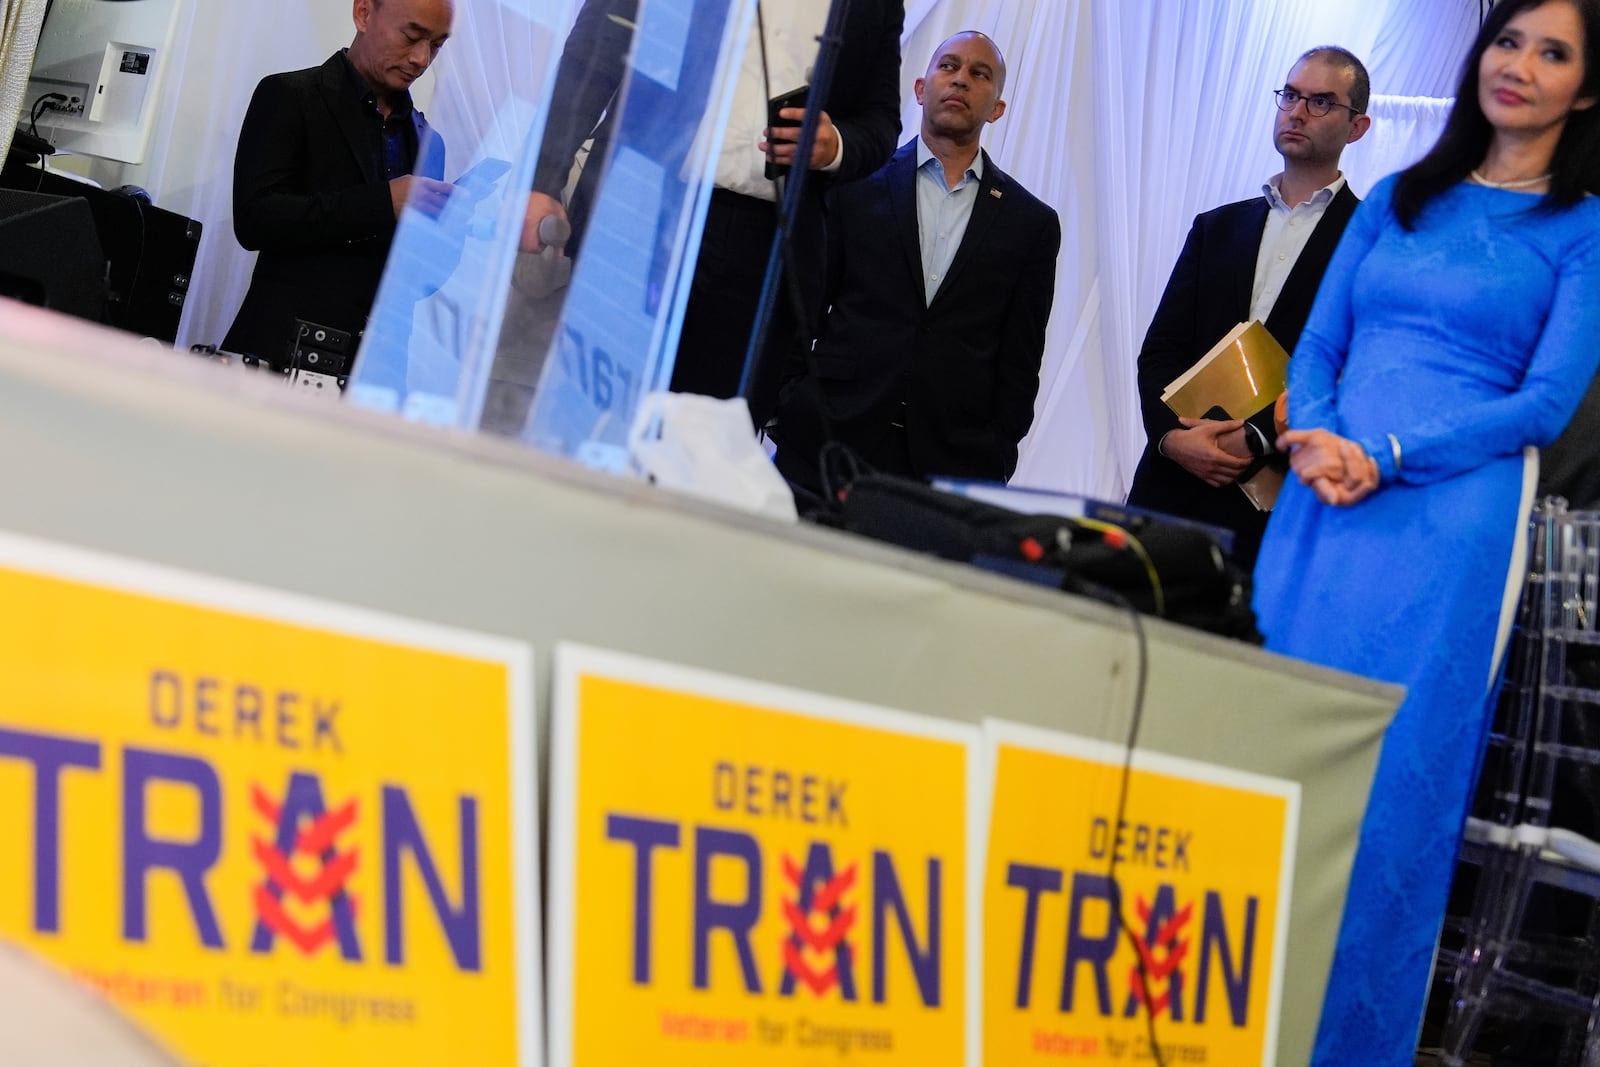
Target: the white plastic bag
pixel 705 447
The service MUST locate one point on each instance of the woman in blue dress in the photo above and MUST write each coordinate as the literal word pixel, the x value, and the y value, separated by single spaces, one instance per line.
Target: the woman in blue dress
pixel 1458 324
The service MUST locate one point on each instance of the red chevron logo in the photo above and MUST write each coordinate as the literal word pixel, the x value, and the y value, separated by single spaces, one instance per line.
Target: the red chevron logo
pixel 1159 969
pixel 806 937
pixel 317 840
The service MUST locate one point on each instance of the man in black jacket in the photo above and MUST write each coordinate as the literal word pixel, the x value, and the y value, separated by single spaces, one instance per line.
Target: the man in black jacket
pixel 327 158
pixel 1261 258
pixel 861 119
pixel 941 274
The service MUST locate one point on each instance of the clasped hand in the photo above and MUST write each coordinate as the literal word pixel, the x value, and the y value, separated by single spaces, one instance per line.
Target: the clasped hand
pixel 1337 469
pixel 1212 450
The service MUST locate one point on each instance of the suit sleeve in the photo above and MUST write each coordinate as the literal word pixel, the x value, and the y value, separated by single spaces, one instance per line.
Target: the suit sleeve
pixel 870 126
pixel 591 70
pixel 795 363
pixel 273 210
pixel 1168 348
pixel 1022 342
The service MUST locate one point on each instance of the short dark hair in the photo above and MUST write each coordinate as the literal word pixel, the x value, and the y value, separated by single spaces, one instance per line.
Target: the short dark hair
pixel 1360 83
pixel 1575 167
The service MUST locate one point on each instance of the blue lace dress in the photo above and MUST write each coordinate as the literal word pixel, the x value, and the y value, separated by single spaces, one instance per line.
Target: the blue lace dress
pixel 1468 338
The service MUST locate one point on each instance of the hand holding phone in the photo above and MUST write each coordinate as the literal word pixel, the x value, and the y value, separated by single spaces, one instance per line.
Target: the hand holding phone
pixel 794 98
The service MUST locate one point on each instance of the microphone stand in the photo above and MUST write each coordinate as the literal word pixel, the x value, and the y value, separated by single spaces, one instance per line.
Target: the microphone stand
pixel 821 79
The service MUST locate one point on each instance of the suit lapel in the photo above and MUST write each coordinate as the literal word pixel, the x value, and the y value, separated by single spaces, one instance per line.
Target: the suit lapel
pixel 1247 249
pixel 986 208
pixel 1293 305
pixel 901 174
pixel 334 85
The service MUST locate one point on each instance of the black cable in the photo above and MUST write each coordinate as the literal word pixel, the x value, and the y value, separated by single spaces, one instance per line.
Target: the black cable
pixel 138 263
pixel 46 102
pixel 1116 599
pixel 766 73
pixel 784 228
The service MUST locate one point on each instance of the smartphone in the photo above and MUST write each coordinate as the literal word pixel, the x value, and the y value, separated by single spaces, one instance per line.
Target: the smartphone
pixel 482 176
pixel 792 98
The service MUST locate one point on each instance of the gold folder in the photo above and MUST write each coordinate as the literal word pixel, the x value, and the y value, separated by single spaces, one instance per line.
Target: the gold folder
pixel 1243 373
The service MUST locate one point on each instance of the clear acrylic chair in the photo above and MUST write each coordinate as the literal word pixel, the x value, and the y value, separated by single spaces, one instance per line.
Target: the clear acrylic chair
pixel 1541 769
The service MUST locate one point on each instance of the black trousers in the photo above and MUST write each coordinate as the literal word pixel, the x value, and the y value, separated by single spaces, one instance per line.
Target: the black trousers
pixel 799 457
pixel 721 312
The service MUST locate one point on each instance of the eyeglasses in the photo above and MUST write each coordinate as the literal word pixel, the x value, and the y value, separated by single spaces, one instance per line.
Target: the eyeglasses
pixel 1319 104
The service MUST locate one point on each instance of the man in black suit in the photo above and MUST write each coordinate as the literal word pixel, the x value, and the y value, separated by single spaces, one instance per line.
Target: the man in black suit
pixel 941 273
pixel 1263 259
pixel 860 121
pixel 327 158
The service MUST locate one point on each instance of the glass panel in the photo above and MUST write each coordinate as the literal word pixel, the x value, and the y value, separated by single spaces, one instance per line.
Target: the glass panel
pixel 467 331
pixel 619 325
pixel 430 338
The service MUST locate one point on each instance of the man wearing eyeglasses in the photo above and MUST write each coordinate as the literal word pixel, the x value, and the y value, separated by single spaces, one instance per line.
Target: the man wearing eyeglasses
pixel 1263 259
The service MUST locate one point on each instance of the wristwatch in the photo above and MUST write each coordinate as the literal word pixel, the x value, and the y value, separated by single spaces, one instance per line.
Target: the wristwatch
pixel 1256 442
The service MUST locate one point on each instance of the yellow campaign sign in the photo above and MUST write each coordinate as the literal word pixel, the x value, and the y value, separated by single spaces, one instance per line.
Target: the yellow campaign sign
pixel 751 875
pixel 268 829
pixel 1203 867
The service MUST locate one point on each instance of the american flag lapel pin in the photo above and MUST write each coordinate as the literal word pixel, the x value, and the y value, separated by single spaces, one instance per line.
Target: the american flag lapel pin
pixel 997 194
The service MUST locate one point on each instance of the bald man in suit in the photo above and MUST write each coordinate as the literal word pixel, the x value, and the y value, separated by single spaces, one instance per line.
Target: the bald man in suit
pixel 941 275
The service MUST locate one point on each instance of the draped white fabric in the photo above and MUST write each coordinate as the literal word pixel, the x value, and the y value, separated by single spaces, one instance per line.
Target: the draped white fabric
pixel 497 53
pixel 19 33
pixel 1127 116
pixel 1403 129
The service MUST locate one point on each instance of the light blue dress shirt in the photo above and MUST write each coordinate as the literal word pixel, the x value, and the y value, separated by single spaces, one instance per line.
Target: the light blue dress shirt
pixel 942 214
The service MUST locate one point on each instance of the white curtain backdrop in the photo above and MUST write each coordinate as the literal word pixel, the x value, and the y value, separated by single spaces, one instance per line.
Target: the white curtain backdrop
pixel 498 54
pixel 1127 116
pixel 1403 129
pixel 19 34
pixel 1418 45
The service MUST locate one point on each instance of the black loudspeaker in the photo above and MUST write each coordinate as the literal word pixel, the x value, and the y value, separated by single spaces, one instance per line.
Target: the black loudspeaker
pixel 151 250
pixel 50 254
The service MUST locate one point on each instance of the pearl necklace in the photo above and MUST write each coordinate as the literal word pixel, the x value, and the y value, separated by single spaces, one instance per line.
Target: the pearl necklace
pixel 1522 183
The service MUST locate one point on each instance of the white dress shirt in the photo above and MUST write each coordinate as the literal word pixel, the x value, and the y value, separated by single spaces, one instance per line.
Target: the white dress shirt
pixel 942 214
pixel 793 27
pixel 1284 238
